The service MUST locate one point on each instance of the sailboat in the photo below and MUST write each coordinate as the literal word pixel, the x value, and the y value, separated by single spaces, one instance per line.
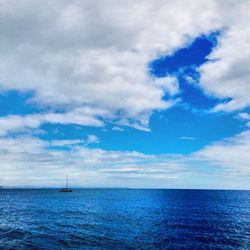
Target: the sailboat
pixel 66 189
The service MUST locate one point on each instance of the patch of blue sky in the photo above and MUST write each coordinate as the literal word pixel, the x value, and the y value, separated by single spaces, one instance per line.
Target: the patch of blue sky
pixel 62 131
pixel 15 102
pixel 171 127
pixel 167 130
pixel 193 55
pixel 183 64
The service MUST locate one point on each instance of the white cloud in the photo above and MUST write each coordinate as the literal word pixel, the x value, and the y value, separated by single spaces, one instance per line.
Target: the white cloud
pixel 91 139
pixel 226 75
pixel 96 53
pixel 30 161
pixel 69 143
pixel 26 160
pixel 64 143
pixel 80 116
pixel 116 128
pixel 232 154
pixel 187 138
pixel 244 116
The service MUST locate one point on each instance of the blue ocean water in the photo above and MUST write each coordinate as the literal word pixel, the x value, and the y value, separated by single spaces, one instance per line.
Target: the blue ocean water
pixel 124 219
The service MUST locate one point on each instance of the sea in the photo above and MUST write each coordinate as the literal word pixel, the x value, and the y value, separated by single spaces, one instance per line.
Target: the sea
pixel 124 219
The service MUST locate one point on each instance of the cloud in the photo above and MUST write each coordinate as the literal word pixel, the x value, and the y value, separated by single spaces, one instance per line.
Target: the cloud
pixel 80 116
pixel 231 154
pixel 91 139
pixel 245 117
pixel 30 161
pixel 116 128
pixel 226 74
pixel 69 143
pixel 187 138
pixel 96 53
pixel 26 160
pixel 63 143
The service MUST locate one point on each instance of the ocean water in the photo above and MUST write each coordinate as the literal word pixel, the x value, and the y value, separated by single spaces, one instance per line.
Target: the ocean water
pixel 124 219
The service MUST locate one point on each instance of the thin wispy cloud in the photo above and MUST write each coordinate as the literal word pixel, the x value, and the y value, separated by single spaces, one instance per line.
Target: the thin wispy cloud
pixel 187 138
pixel 116 128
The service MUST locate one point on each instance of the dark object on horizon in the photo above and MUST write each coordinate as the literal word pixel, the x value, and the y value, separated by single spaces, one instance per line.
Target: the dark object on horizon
pixel 66 189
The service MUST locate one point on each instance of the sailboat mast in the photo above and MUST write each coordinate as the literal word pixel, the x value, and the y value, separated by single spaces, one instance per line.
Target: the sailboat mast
pixel 66 189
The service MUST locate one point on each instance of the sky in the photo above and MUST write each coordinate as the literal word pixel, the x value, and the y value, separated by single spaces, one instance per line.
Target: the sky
pixel 133 94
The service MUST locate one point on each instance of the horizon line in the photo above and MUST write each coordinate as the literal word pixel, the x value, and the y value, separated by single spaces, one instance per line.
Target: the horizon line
pixel 144 188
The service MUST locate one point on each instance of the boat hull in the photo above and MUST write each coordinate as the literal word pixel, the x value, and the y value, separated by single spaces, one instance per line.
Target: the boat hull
pixel 65 190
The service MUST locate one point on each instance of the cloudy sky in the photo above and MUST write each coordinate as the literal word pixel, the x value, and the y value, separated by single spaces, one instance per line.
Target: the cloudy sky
pixel 152 94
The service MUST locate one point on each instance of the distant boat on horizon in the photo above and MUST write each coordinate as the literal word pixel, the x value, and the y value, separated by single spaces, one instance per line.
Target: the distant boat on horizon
pixel 66 189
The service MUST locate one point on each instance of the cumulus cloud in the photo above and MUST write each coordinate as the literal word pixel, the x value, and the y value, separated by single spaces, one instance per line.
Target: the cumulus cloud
pixel 226 74
pixel 96 53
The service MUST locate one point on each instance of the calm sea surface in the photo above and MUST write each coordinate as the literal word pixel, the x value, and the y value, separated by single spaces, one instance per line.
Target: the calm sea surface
pixel 124 219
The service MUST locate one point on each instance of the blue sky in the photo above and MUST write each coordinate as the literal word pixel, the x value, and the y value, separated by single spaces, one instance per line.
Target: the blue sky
pixel 154 105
